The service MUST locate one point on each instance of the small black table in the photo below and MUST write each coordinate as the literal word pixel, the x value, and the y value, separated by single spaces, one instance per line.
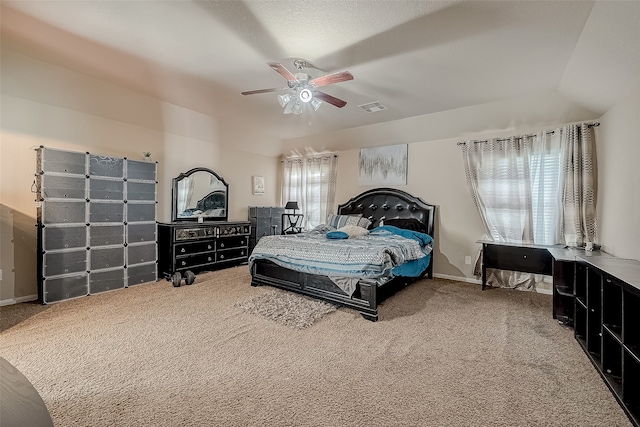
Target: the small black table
pixel 293 221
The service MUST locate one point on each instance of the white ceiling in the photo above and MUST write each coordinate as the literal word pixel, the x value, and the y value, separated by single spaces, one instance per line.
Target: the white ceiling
pixel 415 57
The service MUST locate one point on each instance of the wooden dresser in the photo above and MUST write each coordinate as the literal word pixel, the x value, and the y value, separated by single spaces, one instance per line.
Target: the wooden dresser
pixel 194 247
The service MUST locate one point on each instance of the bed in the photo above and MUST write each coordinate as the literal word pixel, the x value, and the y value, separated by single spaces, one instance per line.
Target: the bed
pixel 378 206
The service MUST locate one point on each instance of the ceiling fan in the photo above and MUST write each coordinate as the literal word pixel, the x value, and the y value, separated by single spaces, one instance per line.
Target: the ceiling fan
pixel 305 89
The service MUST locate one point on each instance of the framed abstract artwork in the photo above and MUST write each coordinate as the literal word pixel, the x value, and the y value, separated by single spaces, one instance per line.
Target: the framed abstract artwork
pixel 383 165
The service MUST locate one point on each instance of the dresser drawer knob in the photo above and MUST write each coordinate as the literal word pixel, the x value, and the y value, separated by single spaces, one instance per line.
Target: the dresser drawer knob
pixel 524 256
pixel 182 250
pixel 209 259
pixel 222 245
pixel 184 263
pixel 209 247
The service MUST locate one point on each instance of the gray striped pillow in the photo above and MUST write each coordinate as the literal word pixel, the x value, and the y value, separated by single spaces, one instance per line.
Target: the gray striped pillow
pixel 339 221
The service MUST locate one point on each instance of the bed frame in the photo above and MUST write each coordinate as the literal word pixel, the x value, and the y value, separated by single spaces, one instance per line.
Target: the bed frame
pixel 376 205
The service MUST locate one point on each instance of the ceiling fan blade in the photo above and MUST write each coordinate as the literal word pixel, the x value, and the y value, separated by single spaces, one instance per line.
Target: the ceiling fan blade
pixel 331 79
pixel 253 92
pixel 330 99
pixel 282 70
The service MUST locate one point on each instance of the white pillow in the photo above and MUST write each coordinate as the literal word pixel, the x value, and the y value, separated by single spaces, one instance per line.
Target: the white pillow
pixel 354 230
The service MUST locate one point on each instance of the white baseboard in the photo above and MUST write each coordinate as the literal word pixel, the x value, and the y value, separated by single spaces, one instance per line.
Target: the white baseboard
pixel 18 300
pixel 459 279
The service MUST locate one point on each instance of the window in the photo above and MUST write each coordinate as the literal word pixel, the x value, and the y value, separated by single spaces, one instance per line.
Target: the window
pixel 311 182
pixel 518 184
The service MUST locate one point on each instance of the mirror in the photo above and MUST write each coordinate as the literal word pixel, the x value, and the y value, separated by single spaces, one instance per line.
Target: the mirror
pixel 200 193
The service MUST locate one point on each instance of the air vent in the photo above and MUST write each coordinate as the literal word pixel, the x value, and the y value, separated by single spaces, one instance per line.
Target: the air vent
pixel 372 107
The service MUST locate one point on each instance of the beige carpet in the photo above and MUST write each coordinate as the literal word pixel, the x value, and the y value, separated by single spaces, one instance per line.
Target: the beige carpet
pixel 444 353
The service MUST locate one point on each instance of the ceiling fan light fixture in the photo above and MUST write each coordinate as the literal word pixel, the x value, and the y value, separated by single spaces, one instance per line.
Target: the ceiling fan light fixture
pixel 296 108
pixel 289 106
pixel 315 103
pixel 284 99
pixel 305 95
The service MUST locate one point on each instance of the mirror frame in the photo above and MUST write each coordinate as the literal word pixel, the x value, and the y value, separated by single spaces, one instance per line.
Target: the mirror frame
pixel 174 194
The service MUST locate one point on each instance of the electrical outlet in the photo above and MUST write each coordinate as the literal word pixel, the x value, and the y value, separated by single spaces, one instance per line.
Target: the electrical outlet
pixel 467 260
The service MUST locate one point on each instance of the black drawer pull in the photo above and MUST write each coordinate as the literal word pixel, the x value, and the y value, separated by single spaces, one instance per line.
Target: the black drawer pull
pixel 524 256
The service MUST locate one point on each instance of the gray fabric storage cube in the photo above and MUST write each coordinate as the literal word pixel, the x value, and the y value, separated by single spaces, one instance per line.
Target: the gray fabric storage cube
pixel 66 262
pixel 63 187
pixel 106 166
pixel 141 212
pixel 145 171
pixel 103 258
pixel 141 274
pixel 103 281
pixel 141 233
pixel 106 189
pixel 64 237
pixel 106 235
pixel 61 288
pixel 139 254
pixel 63 161
pixel 66 212
pixel 141 191
pixel 106 212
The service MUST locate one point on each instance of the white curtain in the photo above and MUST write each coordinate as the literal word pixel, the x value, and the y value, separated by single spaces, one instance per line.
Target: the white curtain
pixel 579 225
pixel 534 189
pixel 498 177
pixel 311 182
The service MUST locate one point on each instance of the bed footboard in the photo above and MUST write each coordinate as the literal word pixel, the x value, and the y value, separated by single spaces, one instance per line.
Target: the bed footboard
pixel 364 299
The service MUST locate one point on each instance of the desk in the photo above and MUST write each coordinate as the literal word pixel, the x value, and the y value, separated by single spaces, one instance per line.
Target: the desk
pixel 293 220
pixel 21 405
pixel 528 258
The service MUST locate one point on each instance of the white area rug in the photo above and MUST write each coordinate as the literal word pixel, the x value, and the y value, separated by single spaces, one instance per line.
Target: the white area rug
pixel 287 308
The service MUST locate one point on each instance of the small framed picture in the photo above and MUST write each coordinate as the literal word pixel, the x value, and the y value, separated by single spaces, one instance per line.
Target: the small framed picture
pixel 258 185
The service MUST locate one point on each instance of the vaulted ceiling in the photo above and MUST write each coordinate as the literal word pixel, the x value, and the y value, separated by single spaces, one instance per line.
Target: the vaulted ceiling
pixel 415 57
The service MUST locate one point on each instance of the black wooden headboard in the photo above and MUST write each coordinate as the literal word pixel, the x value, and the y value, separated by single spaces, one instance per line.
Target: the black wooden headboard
pixel 387 203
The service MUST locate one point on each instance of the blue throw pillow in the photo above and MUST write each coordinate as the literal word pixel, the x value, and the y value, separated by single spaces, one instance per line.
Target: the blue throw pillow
pixel 337 235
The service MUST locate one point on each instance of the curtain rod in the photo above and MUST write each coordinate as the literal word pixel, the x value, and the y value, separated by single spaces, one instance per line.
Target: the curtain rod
pixel 308 157
pixel 549 132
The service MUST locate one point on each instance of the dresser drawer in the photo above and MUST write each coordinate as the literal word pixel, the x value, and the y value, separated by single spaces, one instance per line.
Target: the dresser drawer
pixel 516 258
pixel 231 254
pixel 232 242
pixel 183 263
pixel 195 247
